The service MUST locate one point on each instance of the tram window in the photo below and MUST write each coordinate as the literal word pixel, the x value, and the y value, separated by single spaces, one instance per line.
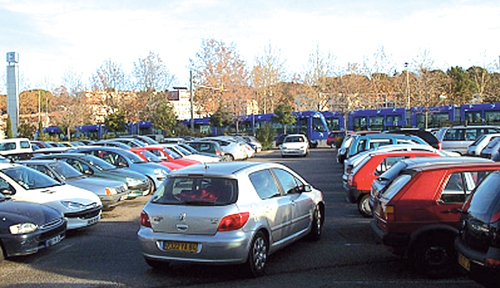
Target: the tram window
pixel 318 125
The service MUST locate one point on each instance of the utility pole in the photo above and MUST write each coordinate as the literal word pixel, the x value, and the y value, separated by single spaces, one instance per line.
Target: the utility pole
pixel 191 98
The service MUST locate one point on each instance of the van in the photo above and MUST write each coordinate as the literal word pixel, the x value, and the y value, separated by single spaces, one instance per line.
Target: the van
pixel 16 148
pixel 458 138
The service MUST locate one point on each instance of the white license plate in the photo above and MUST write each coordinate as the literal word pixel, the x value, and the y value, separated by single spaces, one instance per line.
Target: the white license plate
pixel 54 240
pixel 93 221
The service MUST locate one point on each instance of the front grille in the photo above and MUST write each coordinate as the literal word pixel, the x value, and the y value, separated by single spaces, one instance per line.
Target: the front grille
pixel 86 214
pixel 51 224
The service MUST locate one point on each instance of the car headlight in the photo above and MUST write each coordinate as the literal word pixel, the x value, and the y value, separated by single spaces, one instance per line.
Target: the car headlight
pixel 23 228
pixel 73 205
pixel 160 172
pixel 133 181
pixel 110 191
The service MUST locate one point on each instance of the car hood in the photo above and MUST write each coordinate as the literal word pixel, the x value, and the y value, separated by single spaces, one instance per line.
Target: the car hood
pixel 148 168
pixel 52 196
pixel 14 212
pixel 94 184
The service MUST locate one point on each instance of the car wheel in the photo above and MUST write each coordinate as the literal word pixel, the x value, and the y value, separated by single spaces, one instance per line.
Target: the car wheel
pixel 229 157
pixel 155 264
pixel 151 189
pixel 2 257
pixel 257 256
pixel 434 255
pixel 364 206
pixel 316 225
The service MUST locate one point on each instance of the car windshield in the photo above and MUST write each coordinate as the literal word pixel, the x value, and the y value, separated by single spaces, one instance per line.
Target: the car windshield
pixel 395 186
pixel 183 150
pixel 289 139
pixel 150 156
pixel 172 153
pixel 196 191
pixel 98 163
pixel 134 158
pixel 189 148
pixel 65 170
pixel 30 178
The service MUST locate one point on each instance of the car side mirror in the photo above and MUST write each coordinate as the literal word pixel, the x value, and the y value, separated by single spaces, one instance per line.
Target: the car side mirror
pixel 304 188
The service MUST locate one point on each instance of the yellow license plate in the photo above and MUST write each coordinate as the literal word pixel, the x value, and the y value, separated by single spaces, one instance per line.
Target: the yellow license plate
pixel 181 246
pixel 464 262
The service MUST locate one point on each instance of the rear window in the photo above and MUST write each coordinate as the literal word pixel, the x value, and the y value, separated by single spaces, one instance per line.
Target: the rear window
pixel 485 201
pixel 395 186
pixel 197 191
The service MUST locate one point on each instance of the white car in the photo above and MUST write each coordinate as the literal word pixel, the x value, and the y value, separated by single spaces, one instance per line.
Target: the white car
pixel 80 207
pixel 295 145
pixel 477 146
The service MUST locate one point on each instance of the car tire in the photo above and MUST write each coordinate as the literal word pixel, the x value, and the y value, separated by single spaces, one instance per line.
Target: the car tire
pixel 316 225
pixel 2 257
pixel 151 189
pixel 155 264
pixel 364 206
pixel 434 255
pixel 257 256
pixel 229 157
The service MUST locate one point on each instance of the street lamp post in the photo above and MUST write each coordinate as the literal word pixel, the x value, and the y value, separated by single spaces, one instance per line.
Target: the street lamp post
pixel 191 98
pixel 407 86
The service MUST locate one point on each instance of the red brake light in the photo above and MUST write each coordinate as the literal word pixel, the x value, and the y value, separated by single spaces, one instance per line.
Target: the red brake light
pixel 440 146
pixel 217 153
pixel 233 222
pixel 145 219
pixel 495 217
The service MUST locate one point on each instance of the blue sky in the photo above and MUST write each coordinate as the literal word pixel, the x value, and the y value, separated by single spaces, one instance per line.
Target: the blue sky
pixel 53 37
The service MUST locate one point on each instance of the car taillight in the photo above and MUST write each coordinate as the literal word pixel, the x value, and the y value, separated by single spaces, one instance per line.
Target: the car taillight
pixel 217 153
pixel 495 217
pixel 145 219
pixel 233 222
pixel 389 213
pixel 440 146
pixel 491 262
pixel 348 169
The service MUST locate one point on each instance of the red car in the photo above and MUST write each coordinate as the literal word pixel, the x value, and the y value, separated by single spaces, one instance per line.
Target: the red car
pixel 361 177
pixel 148 156
pixel 334 135
pixel 167 155
pixel 418 214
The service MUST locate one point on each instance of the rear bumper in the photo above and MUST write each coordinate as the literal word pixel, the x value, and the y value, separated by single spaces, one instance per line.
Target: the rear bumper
pixel 395 243
pixel 478 271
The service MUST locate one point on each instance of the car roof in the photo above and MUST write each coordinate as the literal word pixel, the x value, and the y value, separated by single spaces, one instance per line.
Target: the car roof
pixel 220 168
pixel 466 164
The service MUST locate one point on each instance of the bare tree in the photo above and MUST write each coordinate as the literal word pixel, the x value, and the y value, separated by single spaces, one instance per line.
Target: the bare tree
pixel 267 73
pixel 221 79
pixel 319 68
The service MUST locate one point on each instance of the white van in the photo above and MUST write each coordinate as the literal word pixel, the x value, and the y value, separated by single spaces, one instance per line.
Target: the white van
pixel 16 148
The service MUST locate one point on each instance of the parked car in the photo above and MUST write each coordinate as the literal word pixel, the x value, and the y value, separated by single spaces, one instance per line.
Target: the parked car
pixel 190 153
pixel 232 150
pixel 363 142
pixel 295 145
pixel 490 148
pixel 28 227
pixel 477 243
pixel 354 161
pixel 131 142
pixel 137 183
pixel 112 144
pixel 16 148
pixel 169 155
pixel 337 134
pixel 458 138
pixel 229 213
pixel 477 146
pixel 125 159
pixel 427 136
pixel 80 207
pixel 417 215
pixel 143 138
pixel 254 141
pixel 206 146
pixel 111 192
pixel 360 179
pixel 150 155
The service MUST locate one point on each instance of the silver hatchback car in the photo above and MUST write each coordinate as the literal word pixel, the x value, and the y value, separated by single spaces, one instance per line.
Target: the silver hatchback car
pixel 229 213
